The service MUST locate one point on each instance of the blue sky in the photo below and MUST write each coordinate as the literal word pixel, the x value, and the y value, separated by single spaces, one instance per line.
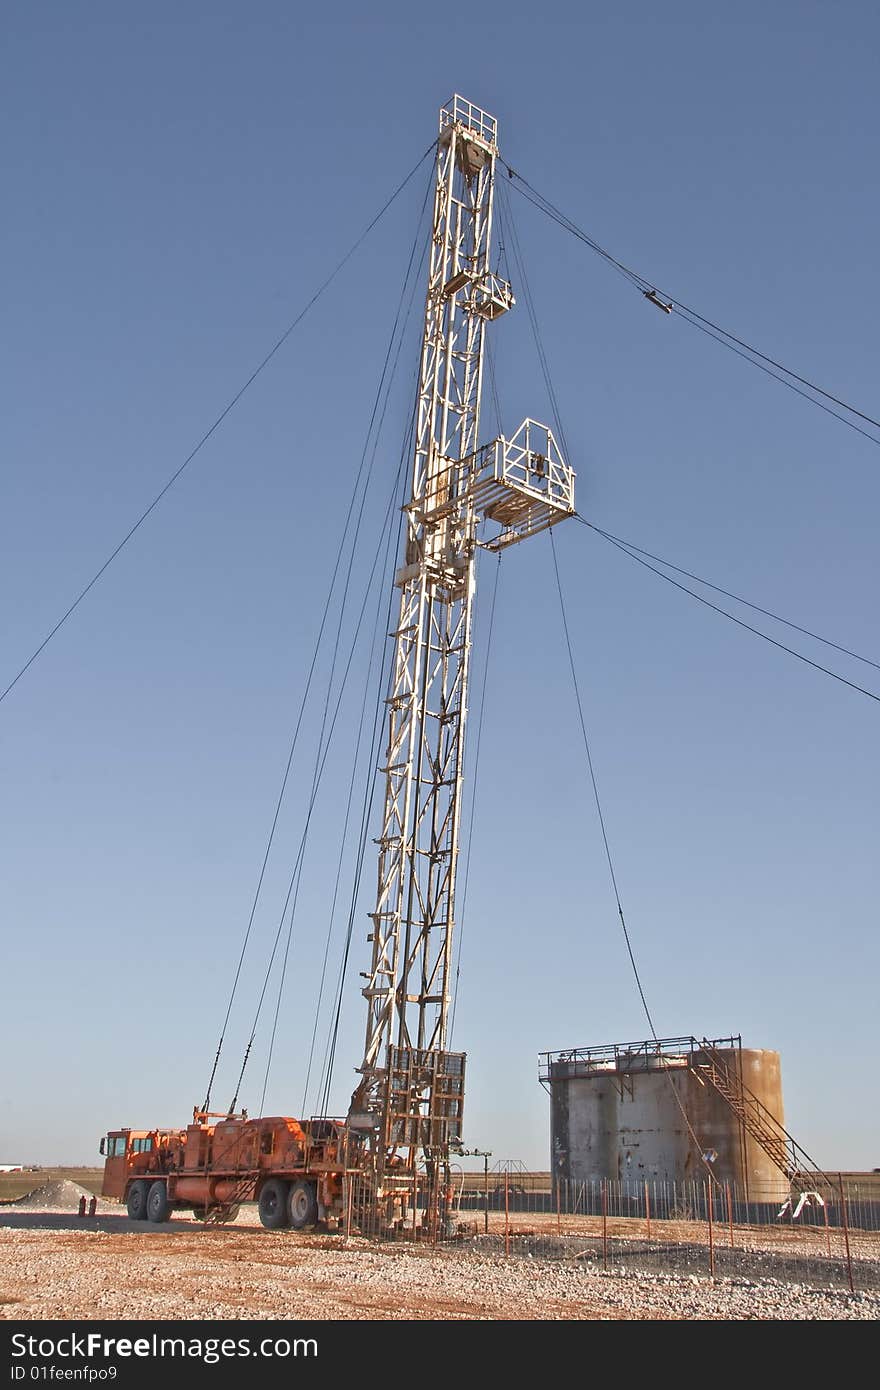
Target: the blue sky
pixel 177 184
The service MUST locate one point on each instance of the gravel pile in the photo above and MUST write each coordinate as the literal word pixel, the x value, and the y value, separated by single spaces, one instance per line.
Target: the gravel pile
pixel 55 1196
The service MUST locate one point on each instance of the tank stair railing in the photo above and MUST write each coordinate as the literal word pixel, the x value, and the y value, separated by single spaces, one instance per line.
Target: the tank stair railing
pixel 779 1146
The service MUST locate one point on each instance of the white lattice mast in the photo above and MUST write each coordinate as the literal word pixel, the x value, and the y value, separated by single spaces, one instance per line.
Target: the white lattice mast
pixel 412 1090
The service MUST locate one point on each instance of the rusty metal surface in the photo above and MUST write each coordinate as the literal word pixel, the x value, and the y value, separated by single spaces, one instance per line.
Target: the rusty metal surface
pixel 651 1112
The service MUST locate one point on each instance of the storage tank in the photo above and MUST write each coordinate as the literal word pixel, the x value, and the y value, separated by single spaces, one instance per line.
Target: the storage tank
pixel 651 1111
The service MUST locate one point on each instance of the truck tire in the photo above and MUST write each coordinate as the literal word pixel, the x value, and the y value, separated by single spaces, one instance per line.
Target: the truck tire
pixel 272 1204
pixel 302 1205
pixel 158 1209
pixel 137 1200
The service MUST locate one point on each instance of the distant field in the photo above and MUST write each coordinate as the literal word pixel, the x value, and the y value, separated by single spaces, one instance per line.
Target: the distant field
pixel 15 1185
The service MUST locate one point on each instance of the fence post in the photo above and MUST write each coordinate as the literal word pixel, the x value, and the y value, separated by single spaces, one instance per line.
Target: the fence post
pixel 845 1232
pixel 729 1213
pixel 707 1190
pixel 486 1194
pixel 604 1224
pixel 827 1227
pixel 647 1209
pixel 559 1206
pixel 506 1212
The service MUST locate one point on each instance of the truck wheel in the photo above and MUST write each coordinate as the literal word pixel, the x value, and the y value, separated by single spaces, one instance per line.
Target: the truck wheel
pixel 137 1200
pixel 157 1203
pixel 302 1205
pixel 272 1205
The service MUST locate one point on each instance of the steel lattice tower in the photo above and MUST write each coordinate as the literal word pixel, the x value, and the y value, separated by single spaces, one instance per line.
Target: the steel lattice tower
pixel 412 1090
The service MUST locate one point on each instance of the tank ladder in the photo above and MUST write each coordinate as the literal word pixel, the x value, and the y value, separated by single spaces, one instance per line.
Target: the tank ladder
pixel 781 1148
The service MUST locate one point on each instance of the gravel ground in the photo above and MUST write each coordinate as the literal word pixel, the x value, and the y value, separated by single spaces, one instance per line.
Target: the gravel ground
pixel 54 1265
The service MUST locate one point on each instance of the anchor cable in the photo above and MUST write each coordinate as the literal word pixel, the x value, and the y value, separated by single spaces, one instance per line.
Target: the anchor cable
pixel 716 608
pixel 218 421
pixel 649 290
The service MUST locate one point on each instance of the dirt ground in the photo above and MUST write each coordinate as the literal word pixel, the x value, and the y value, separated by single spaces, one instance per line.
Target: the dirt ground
pixel 55 1264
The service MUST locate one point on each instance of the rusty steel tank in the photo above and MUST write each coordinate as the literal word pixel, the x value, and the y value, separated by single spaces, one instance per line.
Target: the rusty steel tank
pixel 661 1110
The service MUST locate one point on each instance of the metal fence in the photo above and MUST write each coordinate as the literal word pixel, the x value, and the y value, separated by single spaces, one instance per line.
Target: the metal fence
pixel 823 1240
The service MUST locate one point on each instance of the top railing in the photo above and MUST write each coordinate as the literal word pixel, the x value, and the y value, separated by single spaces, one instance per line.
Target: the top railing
pixel 457 111
pixel 637 1056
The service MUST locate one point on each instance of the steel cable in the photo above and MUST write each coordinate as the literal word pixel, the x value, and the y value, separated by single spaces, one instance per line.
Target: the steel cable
pixel 219 420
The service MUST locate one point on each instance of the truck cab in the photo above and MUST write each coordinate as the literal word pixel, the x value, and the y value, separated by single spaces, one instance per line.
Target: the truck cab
pixel 132 1154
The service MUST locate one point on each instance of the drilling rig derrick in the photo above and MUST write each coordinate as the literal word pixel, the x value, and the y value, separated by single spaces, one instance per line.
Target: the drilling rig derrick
pixel 406 1113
